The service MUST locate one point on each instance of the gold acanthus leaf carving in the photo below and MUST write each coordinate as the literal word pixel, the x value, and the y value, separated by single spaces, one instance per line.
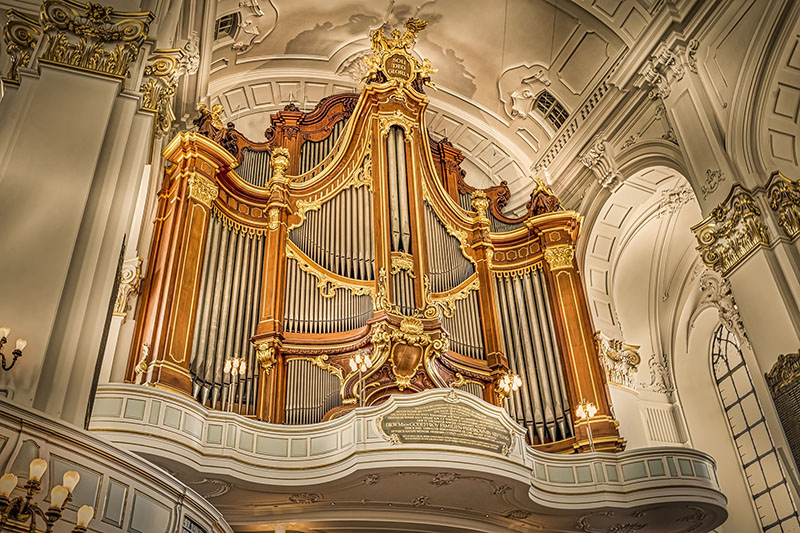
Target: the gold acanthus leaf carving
pixel 784 372
pixel 398 118
pixel 202 189
pixel 403 261
pixel 620 360
pixel 21 35
pixel 92 36
pixel 559 257
pixel 732 231
pixel 326 284
pixel 447 303
pixel 784 199
pixel 480 204
pixel 161 74
pixel 266 356
pixel 392 59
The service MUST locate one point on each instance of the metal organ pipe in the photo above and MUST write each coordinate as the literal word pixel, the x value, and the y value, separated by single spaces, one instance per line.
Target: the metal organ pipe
pixel 254 167
pixel 310 392
pixel 227 316
pixel 541 403
pixel 307 311
pixel 447 265
pixel 338 236
pixel 312 153
pixel 394 191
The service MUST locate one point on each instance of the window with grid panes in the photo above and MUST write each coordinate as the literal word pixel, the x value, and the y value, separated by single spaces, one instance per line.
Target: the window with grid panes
pixel 551 108
pixel 226 25
pixel 764 473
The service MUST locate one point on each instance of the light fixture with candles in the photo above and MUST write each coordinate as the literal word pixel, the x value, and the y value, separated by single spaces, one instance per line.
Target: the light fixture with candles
pixel 236 367
pixel 17 353
pixel 22 509
pixel 507 384
pixel 360 362
pixel 586 411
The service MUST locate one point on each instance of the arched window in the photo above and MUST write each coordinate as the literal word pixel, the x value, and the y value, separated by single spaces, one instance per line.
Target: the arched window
pixel 551 108
pixel 765 475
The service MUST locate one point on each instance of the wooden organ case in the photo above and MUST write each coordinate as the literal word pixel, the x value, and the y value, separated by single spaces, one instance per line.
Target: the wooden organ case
pixel 351 232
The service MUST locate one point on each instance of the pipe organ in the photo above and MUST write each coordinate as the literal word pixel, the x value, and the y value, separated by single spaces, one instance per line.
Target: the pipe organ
pixel 350 231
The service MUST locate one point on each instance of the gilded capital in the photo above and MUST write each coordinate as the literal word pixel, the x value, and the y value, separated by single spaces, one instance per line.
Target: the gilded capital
pixel 559 257
pixel 266 354
pixel 203 189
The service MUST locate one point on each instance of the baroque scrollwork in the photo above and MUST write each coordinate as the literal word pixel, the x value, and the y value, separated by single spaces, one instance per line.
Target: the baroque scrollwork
pixel 92 36
pixel 326 284
pixel 717 292
pixel 784 372
pixel 403 261
pixel 732 231
pixel 784 199
pixel 129 281
pixel 266 355
pixel 21 35
pixel 392 59
pixel 620 360
pixel 447 303
pixel 161 74
pixel 599 158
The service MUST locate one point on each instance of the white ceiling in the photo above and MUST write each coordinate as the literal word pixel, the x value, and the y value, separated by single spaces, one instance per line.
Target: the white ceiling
pixel 493 59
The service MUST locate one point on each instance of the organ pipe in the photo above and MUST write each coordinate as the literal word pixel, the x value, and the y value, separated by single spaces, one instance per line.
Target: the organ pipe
pixel 315 260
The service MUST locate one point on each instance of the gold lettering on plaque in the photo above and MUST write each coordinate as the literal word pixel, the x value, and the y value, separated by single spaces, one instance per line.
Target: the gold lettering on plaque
pixel 441 422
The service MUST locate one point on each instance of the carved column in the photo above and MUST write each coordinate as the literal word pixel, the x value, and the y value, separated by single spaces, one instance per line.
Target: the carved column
pixel 584 374
pixel 285 132
pixel 484 249
pixel 162 347
pixel 269 333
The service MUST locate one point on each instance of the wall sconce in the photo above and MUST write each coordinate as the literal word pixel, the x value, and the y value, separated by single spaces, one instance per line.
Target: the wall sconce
pixel 586 411
pixel 236 367
pixel 17 353
pixel 360 362
pixel 23 509
pixel 507 384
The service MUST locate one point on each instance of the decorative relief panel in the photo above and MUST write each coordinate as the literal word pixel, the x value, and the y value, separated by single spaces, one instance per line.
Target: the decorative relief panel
pixel 784 199
pixel 161 74
pixel 88 36
pixel 620 360
pixel 732 231
pixel 600 158
pixel 129 281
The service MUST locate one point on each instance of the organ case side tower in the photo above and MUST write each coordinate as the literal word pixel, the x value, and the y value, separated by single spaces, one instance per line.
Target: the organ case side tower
pixel 351 231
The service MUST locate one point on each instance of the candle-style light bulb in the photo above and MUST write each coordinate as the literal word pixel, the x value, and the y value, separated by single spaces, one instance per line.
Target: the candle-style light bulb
pixel 58 495
pixel 7 484
pixel 38 466
pixel 71 479
pixel 227 368
pixel 85 515
pixel 21 344
pixel 5 331
pixel 353 365
pixel 242 367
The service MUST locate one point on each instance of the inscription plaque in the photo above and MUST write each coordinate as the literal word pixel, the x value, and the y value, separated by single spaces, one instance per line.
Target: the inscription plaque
pixel 398 66
pixel 443 422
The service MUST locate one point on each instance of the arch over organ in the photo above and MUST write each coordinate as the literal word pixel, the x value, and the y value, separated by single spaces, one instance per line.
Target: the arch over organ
pixel 350 231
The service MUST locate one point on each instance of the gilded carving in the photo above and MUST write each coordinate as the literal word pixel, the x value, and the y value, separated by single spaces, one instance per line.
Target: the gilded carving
pixel 731 232
pixel 620 360
pixel 92 37
pixel 480 204
pixel 21 35
pixel 784 199
pixel 279 161
pixel 266 356
pixel 785 371
pixel 403 261
pixel 398 118
pixel 161 74
pixel 447 303
pixel 322 362
pixel 202 189
pixel 559 257
pixel 129 281
pixel 273 218
pixel 392 59
pixel 326 284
